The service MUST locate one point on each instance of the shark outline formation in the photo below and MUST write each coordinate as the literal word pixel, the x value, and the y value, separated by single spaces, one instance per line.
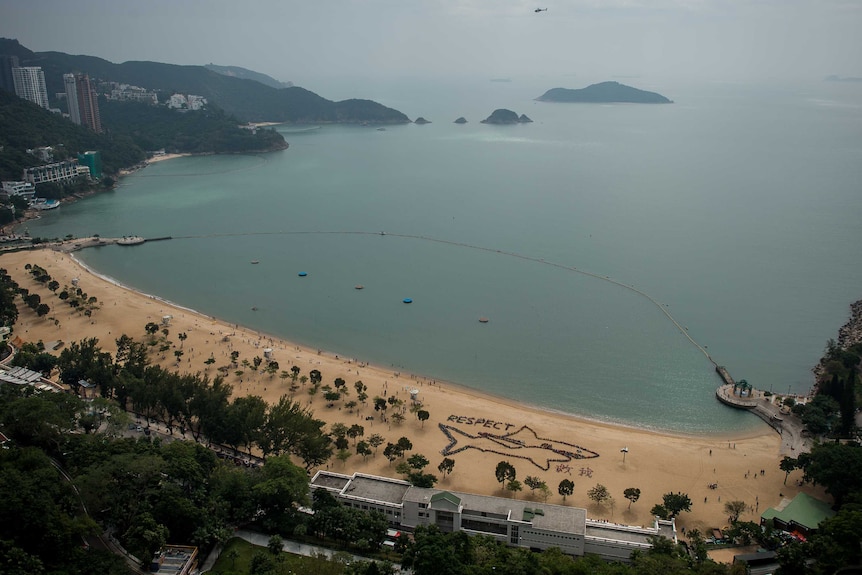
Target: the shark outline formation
pixel 524 438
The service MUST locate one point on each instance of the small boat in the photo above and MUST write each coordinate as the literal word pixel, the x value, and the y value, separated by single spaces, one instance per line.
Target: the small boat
pixel 303 274
pixel 254 308
pixel 381 129
pixel 407 300
pixel 255 261
pixel 483 320
pixel 359 286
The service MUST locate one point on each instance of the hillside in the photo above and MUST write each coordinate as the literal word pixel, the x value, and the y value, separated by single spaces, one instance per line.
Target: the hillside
pixel 248 100
pixel 24 125
pixel 604 92
pixel 246 74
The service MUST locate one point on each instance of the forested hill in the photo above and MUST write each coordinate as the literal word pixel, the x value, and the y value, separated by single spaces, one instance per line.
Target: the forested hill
pixel 604 92
pixel 24 125
pixel 248 100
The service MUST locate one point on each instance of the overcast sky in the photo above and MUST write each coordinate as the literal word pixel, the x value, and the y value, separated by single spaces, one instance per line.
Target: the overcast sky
pixel 291 40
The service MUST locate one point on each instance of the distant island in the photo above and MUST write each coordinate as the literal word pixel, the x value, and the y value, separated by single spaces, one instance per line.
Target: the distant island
pixel 504 116
pixel 420 120
pixel 461 120
pixel 604 92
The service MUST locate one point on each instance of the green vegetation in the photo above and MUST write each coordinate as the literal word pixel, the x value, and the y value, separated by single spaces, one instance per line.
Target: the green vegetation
pixel 175 131
pixel 24 125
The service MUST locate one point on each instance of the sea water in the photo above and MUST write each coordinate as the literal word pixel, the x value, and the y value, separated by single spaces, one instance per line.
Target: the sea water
pixel 734 209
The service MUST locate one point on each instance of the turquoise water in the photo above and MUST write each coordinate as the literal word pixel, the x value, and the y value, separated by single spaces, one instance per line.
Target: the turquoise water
pixel 735 207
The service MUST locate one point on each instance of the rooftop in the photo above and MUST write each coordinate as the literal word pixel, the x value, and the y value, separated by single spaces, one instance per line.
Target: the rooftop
pixel 381 489
pixel 327 480
pixel 803 510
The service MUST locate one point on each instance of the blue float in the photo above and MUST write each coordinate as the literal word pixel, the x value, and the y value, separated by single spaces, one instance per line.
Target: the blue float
pixel 303 274
pixel 407 300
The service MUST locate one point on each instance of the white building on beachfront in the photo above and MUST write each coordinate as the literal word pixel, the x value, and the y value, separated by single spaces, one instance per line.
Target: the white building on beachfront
pixel 535 526
pixel 23 189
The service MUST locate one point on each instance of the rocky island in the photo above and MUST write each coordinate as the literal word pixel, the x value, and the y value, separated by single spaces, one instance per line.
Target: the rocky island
pixel 504 116
pixel 604 93
pixel 420 120
pixel 461 120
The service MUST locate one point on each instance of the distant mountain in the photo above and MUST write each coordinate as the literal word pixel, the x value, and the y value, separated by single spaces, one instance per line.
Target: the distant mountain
pixel 247 100
pixel 605 92
pixel 246 74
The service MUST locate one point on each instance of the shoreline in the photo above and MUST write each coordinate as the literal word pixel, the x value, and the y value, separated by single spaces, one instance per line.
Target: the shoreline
pixel 724 435
pixel 658 461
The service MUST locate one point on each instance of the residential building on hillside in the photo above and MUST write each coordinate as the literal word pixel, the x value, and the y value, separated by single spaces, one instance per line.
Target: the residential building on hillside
pixel 57 172
pixel 30 85
pixel 72 98
pixel 536 526
pixel 127 92
pixel 801 515
pixel 86 99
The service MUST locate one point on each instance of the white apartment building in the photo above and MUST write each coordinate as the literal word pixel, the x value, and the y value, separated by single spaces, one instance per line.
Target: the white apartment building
pixel 30 85
pixel 56 172
pixel 23 189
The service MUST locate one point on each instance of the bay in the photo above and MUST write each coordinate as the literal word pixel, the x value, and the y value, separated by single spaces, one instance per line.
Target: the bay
pixel 733 207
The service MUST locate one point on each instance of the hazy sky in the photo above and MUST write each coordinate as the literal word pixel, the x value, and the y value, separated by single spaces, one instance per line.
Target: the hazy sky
pixel 292 40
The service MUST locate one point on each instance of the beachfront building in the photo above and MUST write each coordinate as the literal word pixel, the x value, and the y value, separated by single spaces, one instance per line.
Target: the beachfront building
pixel 799 516
pixel 57 172
pixel 24 189
pixel 536 526
pixel 30 84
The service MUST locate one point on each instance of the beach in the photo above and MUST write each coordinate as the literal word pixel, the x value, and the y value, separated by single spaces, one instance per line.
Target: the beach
pixel 712 470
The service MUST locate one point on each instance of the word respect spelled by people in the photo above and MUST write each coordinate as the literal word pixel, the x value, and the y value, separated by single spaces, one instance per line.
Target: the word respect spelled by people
pixel 489 423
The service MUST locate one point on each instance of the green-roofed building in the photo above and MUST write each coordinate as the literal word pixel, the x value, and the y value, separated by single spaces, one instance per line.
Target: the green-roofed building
pixel 802 514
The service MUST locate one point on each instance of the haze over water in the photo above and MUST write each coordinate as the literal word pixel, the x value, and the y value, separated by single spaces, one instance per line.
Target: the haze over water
pixel 737 207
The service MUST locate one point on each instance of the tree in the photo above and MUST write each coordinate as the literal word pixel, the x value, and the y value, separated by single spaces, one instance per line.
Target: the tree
pixel 355 431
pixel 363 449
pixel 423 416
pixel 376 440
pixel 275 544
pixel 632 494
pixel 404 444
pixel 676 503
pixel 343 455
pixel 446 466
pixel 417 461
pixel 182 336
pixel 660 511
pixel 566 488
pixel 836 466
pixel 315 376
pixel 599 494
pixel 398 418
pixel 787 465
pixel 392 452
pixel 514 485
pixel 734 509
pixel 504 472
pixel 532 482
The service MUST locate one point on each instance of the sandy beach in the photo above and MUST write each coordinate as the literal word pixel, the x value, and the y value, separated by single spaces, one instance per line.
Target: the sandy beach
pixel 656 463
